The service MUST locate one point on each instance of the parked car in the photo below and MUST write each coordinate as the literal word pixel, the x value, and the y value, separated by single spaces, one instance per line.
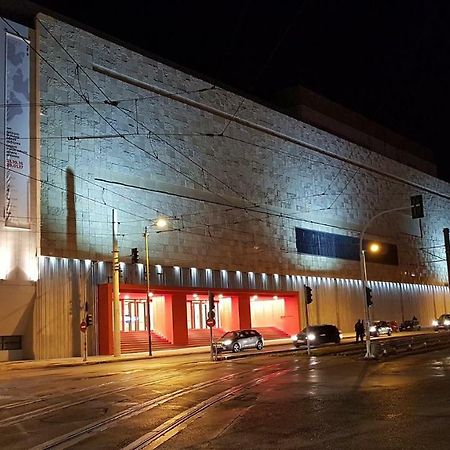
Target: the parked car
pixel 394 325
pixel 442 323
pixel 238 340
pixel 380 327
pixel 410 325
pixel 317 335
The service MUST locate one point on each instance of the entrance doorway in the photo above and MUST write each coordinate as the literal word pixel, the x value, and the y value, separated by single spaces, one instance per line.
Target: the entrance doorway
pixel 134 315
pixel 197 313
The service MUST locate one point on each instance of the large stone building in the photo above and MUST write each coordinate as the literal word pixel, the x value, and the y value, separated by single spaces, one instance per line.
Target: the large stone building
pixel 258 204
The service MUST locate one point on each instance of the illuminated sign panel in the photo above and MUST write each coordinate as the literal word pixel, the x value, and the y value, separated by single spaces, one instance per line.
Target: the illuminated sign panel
pixel 332 245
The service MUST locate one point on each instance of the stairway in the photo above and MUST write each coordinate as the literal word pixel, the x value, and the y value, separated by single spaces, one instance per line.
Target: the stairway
pixel 269 333
pixel 137 341
pixel 198 338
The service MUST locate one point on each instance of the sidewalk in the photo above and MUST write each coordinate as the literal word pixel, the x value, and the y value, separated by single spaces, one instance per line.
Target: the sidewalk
pixel 91 360
pixel 78 360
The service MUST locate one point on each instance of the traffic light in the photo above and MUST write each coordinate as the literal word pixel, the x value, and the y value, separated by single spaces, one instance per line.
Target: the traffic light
pixel 89 319
pixel 369 296
pixel 416 207
pixel 212 305
pixel 134 255
pixel 308 294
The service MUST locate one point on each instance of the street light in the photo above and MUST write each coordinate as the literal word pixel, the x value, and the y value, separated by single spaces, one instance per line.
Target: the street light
pixel 362 256
pixel 374 248
pixel 160 223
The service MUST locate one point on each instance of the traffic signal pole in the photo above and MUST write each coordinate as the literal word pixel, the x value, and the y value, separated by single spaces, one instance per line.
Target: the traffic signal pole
pixel 362 259
pixel 307 325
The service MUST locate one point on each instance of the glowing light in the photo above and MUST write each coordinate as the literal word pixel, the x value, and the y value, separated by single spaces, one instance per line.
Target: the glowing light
pixel 374 247
pixel 126 297
pixel 161 222
pixel 220 296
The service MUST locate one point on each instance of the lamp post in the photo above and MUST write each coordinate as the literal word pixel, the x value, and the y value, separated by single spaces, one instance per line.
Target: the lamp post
pixel 160 223
pixel 147 264
pixel 362 258
pixel 362 253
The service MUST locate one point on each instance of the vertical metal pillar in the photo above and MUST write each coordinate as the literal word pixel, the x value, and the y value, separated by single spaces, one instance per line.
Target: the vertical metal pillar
pixel 116 273
pixel 149 320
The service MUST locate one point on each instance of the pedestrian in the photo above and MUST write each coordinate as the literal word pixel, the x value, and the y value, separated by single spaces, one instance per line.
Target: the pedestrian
pixel 362 331
pixel 358 330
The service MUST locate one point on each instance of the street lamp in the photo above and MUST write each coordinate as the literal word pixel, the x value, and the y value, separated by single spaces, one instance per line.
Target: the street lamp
pixel 160 223
pixel 374 248
pixel 414 202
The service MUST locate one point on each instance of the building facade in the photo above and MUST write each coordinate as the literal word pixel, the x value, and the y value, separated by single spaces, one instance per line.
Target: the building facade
pixel 258 204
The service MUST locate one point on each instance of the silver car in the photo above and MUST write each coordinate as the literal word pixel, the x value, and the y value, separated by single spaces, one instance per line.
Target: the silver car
pixel 380 327
pixel 238 340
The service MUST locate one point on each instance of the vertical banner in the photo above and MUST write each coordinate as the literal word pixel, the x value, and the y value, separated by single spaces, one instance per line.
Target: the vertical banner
pixel 17 133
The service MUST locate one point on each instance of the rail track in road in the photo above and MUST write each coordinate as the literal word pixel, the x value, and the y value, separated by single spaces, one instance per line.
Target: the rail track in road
pixel 75 436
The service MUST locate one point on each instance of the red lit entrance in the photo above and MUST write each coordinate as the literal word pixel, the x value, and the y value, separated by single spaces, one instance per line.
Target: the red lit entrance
pixel 178 316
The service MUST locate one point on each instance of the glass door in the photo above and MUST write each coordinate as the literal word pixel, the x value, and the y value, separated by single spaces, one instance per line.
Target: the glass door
pixel 134 315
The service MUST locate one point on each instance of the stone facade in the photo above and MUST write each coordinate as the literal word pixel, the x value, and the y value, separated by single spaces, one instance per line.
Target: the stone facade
pixel 120 130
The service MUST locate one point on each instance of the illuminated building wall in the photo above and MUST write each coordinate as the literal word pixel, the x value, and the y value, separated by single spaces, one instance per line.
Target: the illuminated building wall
pixel 127 132
pixel 19 227
pixel 234 178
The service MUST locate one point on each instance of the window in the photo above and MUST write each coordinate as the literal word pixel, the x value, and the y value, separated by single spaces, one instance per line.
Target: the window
pixel 10 342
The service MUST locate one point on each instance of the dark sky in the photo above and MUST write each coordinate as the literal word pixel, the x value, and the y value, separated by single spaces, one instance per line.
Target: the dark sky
pixel 386 59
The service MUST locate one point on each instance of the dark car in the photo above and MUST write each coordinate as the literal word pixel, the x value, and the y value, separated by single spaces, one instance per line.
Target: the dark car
pixel 317 335
pixel 410 325
pixel 380 327
pixel 238 340
pixel 443 323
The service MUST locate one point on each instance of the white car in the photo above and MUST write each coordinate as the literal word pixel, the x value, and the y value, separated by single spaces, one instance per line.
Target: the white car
pixel 380 327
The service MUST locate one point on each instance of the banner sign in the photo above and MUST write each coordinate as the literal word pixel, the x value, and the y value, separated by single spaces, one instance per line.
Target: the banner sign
pixel 17 133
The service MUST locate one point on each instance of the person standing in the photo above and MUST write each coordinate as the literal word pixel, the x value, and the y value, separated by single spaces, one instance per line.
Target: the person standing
pixel 362 331
pixel 358 330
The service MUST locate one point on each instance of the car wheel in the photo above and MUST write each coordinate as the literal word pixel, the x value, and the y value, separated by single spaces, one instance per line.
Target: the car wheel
pixel 259 345
pixel 389 333
pixel 337 341
pixel 236 347
pixel 377 334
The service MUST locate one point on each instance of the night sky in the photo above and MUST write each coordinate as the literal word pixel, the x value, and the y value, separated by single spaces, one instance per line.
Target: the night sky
pixel 386 59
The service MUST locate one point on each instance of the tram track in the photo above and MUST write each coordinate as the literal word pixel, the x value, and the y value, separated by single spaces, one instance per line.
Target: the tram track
pixel 76 436
pixel 176 424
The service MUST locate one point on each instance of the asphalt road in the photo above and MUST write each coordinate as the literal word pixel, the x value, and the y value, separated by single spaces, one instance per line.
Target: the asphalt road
pixel 279 401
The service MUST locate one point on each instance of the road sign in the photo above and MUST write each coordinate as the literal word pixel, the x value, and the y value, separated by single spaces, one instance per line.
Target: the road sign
pixel 83 326
pixel 210 322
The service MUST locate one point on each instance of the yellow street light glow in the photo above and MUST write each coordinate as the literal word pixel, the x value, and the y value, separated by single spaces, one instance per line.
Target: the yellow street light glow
pixel 374 247
pixel 161 223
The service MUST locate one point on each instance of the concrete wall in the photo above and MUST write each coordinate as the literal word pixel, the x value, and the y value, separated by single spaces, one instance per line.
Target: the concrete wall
pixel 120 130
pixel 157 148
pixel 19 234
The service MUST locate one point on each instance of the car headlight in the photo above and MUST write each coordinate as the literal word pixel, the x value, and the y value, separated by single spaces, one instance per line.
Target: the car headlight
pixel 341 335
pixel 435 323
pixel 294 337
pixel 372 329
pixel 311 336
pixel 227 342
pixel 447 322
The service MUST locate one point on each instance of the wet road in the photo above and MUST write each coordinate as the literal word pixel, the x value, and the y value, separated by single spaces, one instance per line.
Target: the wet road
pixel 266 402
